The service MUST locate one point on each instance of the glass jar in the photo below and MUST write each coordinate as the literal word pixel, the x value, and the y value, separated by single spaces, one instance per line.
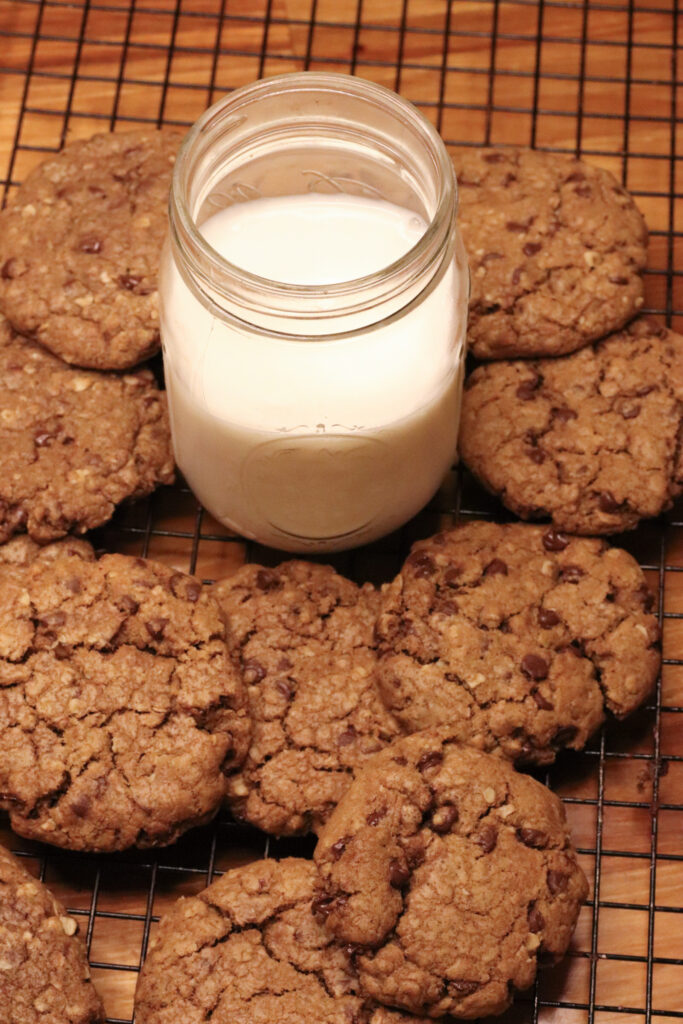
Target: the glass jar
pixel 312 411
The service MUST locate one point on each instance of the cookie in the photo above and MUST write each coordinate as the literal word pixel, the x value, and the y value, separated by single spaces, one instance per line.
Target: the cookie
pixel 520 637
pixel 303 638
pixel 450 875
pixel 44 974
pixel 556 250
pixel 21 551
pixel 120 710
pixel 591 440
pixel 249 950
pixel 74 443
pixel 80 245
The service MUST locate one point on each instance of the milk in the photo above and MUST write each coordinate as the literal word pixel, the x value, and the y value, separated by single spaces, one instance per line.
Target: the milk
pixel 332 441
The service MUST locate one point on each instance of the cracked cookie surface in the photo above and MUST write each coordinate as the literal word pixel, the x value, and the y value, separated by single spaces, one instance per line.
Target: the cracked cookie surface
pixel 80 245
pixel 449 874
pixel 248 950
pixel 44 974
pixel 120 709
pixel 74 443
pixel 520 637
pixel 303 638
pixel 591 441
pixel 556 250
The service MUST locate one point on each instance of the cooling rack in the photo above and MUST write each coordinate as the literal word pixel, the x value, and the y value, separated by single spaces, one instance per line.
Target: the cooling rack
pixel 599 79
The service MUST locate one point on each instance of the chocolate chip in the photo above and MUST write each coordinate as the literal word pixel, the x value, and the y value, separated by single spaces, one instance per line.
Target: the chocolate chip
pixel 528 388
pixel 267 579
pixel 422 564
pixel 557 881
pixel 53 619
pixel 565 735
pixel 400 760
pixel 541 702
pixel 535 919
pixel 128 604
pixel 80 806
pixel 536 455
pixel 547 618
pixel 42 438
pixel 553 540
pixel 374 817
pixel 322 907
pixel 533 837
pixel 399 874
pixel 608 503
pixel 563 414
pixel 584 191
pixel 531 248
pixel 487 838
pixel 452 576
pixel 338 848
pixel 193 590
pixel 534 666
pixel 11 269
pixel 493 158
pixel 462 987
pixel 130 281
pixel 641 392
pixel 90 244
pixel 516 275
pixel 73 585
pixel 284 664
pixel 488 256
pixel 508 179
pixel 61 652
pixel 519 226
pixel 445 607
pixel 496 568
pixel 576 176
pixel 284 688
pixel 155 627
pixel 571 573
pixel 444 818
pixel 253 671
pixel 617 279
pixel 347 737
pixel 432 759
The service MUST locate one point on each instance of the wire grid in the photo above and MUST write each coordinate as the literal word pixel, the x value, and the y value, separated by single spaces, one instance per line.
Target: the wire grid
pixel 599 79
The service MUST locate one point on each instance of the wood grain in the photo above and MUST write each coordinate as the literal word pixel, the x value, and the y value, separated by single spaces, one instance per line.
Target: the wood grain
pixel 596 78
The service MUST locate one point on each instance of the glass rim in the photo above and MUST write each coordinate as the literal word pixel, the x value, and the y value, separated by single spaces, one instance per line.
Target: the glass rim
pixel 417 258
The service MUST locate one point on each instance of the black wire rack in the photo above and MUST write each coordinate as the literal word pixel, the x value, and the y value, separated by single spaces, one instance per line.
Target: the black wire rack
pixel 599 78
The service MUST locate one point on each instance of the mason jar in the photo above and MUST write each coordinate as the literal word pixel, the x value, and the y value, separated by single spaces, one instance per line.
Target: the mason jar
pixel 313 304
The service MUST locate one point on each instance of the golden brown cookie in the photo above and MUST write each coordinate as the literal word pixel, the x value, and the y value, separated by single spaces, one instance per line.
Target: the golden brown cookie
pixel 44 974
pixel 74 443
pixel 519 637
pixel 80 244
pixel 556 249
pixel 303 638
pixel 450 875
pixel 591 440
pixel 120 710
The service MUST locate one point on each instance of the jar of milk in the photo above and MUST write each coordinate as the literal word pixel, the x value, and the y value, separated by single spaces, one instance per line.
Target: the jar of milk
pixel 313 311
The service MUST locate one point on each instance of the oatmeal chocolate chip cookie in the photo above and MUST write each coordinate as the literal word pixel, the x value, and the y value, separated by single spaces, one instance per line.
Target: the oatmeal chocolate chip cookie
pixel 449 874
pixel 80 246
pixel 303 637
pixel 556 249
pixel 22 551
pixel 44 974
pixel 120 709
pixel 74 443
pixel 520 637
pixel 248 950
pixel 591 440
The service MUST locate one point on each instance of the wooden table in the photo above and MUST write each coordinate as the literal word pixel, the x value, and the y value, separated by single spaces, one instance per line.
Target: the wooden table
pixel 596 78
